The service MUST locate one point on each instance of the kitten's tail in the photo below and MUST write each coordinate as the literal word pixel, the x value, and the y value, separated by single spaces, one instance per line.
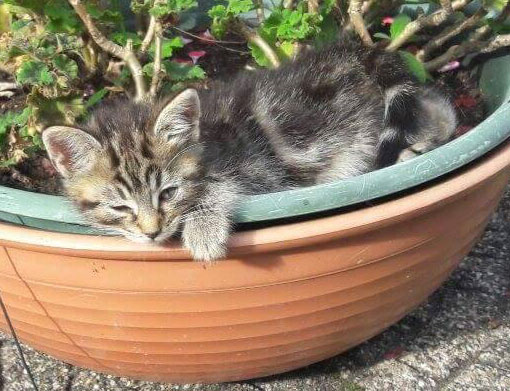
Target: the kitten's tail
pixel 436 124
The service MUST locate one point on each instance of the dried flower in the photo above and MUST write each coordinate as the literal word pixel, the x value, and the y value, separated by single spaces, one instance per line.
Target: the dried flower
pixel 450 66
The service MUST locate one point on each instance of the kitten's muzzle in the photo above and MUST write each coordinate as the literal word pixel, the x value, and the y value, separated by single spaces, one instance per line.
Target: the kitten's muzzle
pixel 152 235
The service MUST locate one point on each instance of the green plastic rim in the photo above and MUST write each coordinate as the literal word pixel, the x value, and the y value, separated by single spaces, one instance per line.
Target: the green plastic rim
pixel 57 214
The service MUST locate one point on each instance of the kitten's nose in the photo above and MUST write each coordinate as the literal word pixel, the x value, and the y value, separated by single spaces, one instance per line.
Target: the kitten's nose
pixel 152 235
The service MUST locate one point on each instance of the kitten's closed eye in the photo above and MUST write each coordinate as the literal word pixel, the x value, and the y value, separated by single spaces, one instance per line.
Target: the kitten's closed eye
pixel 122 209
pixel 168 193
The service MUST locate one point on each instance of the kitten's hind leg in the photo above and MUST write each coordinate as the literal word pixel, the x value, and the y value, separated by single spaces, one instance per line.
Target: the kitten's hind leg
pixel 436 124
pixel 389 146
pixel 400 121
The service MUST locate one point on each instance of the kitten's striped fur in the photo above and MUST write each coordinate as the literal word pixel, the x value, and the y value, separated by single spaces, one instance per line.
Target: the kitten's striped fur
pixel 146 171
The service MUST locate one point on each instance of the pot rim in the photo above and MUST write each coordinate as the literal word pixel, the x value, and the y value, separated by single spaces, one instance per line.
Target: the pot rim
pixel 272 238
pixel 58 214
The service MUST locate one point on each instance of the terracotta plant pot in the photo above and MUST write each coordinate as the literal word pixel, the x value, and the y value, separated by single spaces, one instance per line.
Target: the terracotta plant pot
pixel 288 295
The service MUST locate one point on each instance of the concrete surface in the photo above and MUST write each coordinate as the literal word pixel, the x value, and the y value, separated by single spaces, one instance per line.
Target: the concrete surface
pixel 458 341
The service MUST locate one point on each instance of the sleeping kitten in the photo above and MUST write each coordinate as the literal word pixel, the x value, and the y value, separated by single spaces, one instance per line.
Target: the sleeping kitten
pixel 147 171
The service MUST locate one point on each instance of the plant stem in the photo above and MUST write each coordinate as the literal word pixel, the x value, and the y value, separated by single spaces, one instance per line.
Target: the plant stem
pixel 358 23
pixel 151 30
pixel 449 33
pixel 260 10
pixel 157 60
pixel 124 53
pixel 468 47
pixel 288 4
pixel 149 35
pixel 482 32
pixel 435 19
pixel 447 6
pixel 313 6
pixel 253 37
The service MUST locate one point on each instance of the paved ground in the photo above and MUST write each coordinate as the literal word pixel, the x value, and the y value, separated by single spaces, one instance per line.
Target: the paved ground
pixel 458 341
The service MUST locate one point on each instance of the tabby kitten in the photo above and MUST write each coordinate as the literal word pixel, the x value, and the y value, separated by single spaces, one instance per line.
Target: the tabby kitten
pixel 147 171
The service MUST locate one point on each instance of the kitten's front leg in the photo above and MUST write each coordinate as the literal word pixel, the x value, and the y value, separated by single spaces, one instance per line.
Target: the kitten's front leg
pixel 207 228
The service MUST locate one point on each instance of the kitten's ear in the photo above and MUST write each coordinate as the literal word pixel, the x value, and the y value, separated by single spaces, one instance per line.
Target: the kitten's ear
pixel 180 118
pixel 72 151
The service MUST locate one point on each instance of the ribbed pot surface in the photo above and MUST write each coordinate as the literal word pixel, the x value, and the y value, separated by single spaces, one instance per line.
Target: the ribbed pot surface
pixel 287 296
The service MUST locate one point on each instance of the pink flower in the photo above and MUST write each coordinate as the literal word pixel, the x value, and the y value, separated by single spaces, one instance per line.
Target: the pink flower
pixel 387 20
pixel 195 55
pixel 450 66
pixel 186 40
pixel 183 61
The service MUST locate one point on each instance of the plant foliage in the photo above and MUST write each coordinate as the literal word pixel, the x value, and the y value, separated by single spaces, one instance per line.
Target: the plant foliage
pixel 48 51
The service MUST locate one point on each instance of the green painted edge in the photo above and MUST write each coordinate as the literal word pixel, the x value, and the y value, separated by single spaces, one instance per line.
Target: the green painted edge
pixel 57 214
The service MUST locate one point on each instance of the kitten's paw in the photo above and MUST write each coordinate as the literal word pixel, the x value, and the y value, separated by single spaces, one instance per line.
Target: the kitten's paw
pixel 415 150
pixel 206 243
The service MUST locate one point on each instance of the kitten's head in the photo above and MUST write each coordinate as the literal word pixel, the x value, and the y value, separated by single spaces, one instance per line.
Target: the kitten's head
pixel 134 168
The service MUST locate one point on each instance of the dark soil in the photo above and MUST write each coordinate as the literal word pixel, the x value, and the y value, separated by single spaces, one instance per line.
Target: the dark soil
pixel 462 86
pixel 220 62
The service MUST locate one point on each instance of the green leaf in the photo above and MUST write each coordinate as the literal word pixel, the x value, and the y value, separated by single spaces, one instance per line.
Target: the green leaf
pixel 499 28
pixel 21 119
pixel 259 56
pixel 326 6
pixel 415 66
pixel 167 47
pixel 293 24
pixel 34 72
pixel 33 5
pixel 6 122
pixel 196 72
pixel 62 18
pixel 104 15
pixel 66 65
pixel 329 31
pixel 63 109
pixel 221 17
pixel 268 33
pixel 236 7
pixel 182 72
pixel 148 69
pixel 218 11
pixel 182 5
pixel 172 7
pixel 96 98
pixel 159 11
pixel 399 24
pixel 7 162
pixel 15 51
pixel 381 36
pixel 140 6
pixel 10 120
pixel 122 37
pixel 219 28
pixel 495 4
pixel 286 49
pixel 19 24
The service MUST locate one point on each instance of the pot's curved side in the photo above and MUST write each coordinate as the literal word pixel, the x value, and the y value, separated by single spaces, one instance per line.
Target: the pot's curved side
pixel 270 310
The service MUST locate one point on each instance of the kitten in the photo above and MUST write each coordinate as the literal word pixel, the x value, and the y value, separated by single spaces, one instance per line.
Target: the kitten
pixel 147 171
